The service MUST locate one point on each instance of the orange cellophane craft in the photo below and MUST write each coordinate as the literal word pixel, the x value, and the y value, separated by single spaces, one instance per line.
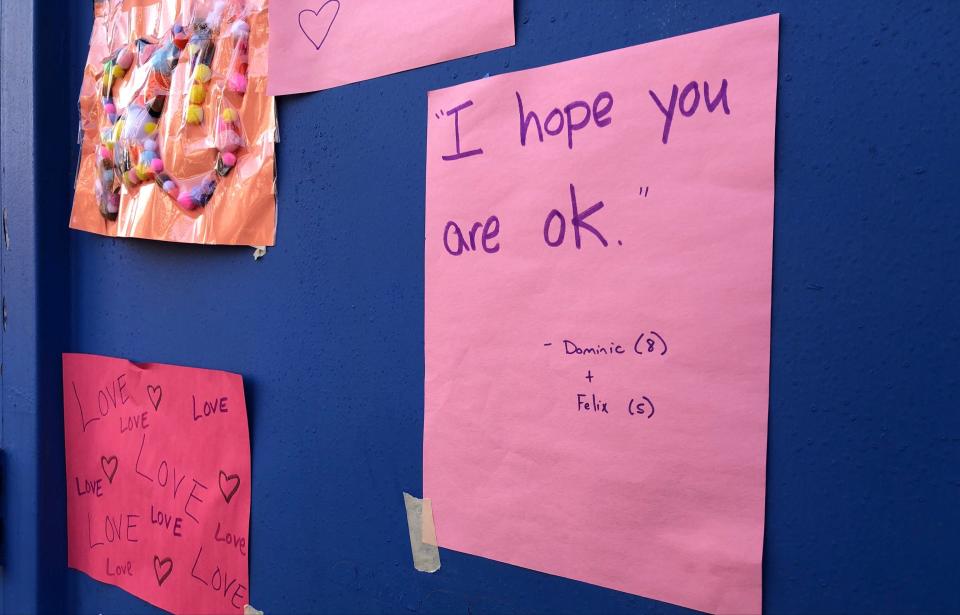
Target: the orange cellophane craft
pixel 177 129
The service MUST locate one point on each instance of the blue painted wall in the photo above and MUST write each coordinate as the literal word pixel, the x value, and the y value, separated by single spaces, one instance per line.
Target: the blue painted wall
pixel 864 445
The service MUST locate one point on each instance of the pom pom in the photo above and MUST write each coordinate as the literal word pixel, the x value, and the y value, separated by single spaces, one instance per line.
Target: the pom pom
pixel 239 29
pixel 105 152
pixel 143 171
pixel 149 128
pixel 113 203
pixel 194 114
pixel 229 141
pixel 157 165
pixel 186 201
pixel 147 156
pixel 132 177
pixel 107 177
pixel 202 73
pixel 150 145
pixel 204 192
pixel 237 83
pixel 229 159
pixel 216 14
pixel 168 185
pixel 116 72
pixel 125 59
pixel 110 108
pixel 229 115
pixel 197 93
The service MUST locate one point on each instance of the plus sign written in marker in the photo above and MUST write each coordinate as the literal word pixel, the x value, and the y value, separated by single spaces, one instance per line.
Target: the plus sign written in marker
pixel 589 376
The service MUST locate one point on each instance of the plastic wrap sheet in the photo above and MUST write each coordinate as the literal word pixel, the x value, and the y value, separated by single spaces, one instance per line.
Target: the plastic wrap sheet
pixel 242 209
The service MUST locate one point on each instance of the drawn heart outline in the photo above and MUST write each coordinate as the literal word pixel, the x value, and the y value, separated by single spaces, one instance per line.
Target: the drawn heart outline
pixel 232 478
pixel 317 14
pixel 109 461
pixel 156 394
pixel 159 564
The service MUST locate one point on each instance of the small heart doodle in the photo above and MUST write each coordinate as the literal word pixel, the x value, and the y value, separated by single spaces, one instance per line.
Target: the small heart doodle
pixel 156 394
pixel 316 25
pixel 109 466
pixel 162 568
pixel 225 488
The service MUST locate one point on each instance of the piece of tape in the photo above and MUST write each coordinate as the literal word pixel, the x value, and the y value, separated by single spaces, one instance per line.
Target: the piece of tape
pixel 249 610
pixel 428 531
pixel 426 555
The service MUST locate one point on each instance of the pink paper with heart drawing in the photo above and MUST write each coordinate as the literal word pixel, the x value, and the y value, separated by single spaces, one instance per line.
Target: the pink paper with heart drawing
pixel 158 481
pixel 320 44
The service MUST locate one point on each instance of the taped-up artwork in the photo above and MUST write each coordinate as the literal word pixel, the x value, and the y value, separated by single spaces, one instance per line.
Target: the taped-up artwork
pixel 177 129
pixel 158 481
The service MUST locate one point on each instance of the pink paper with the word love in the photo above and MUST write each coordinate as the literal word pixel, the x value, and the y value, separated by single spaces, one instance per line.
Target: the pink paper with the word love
pixel 320 44
pixel 158 481
pixel 597 316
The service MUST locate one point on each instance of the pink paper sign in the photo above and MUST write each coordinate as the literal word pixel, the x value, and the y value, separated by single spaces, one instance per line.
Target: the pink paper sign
pixel 598 272
pixel 320 44
pixel 158 481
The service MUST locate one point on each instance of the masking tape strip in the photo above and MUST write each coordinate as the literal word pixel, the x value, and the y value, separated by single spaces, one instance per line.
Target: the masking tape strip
pixel 428 531
pixel 249 610
pixel 426 556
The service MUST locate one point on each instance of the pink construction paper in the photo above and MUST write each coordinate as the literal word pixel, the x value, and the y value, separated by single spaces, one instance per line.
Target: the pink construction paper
pixel 598 411
pixel 158 481
pixel 320 44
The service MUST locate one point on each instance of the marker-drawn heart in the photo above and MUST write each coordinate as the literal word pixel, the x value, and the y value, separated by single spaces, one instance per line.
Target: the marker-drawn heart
pixel 225 482
pixel 156 394
pixel 316 25
pixel 165 564
pixel 109 466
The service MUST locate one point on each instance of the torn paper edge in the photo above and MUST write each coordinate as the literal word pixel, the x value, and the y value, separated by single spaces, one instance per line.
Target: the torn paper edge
pixel 426 556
